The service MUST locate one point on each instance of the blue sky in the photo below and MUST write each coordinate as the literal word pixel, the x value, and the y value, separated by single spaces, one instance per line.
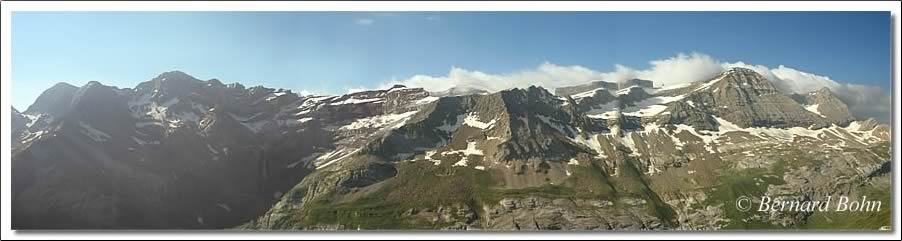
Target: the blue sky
pixel 330 52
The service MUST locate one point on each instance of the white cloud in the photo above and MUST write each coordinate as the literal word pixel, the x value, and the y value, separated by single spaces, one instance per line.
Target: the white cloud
pixel 364 21
pixel 547 75
pixel 357 89
pixel 682 69
pixel 866 101
pixel 305 92
pixel 801 82
pixel 679 69
pixel 863 101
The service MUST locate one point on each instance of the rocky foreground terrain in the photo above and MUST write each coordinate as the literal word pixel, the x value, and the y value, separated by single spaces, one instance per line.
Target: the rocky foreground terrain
pixel 176 152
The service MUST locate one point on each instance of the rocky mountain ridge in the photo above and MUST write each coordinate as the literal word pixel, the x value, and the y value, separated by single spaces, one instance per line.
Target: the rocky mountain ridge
pixel 177 152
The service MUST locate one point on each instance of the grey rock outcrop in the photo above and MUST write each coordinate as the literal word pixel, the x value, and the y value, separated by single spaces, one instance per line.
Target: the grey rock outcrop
pixel 178 152
pixel 54 101
pixel 823 102
pixel 18 122
pixel 747 99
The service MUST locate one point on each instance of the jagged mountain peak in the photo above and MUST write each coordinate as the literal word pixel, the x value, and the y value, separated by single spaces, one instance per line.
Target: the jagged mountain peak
pixel 744 78
pixel 268 145
pixel 739 70
pixel 62 85
pixel 90 88
pixel 18 122
pixel 54 101
pixel 826 104
pixel 533 89
pixel 747 99
pixel 822 91
pixel 175 75
pixel 215 82
pixel 171 83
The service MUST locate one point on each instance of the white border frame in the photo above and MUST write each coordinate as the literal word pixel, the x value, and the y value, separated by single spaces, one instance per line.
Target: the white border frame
pixel 5 76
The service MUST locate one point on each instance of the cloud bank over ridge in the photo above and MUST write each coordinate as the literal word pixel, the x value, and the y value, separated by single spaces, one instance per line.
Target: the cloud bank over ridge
pixel 864 101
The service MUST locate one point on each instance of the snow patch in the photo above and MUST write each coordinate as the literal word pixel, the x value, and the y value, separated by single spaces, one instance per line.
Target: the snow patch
pixel 94 134
pixel 605 111
pixel 652 169
pixel 627 141
pixel 147 123
pixel 585 94
pixel 142 142
pixel 813 109
pixel 573 161
pixel 378 121
pixel 461 163
pixel 451 127
pixel 302 160
pixel 33 136
pixel 647 111
pixel 225 207
pixel 564 129
pixel 786 135
pixel 356 101
pixel 626 90
pixel 471 150
pixel 295 122
pixel 319 161
pixel 710 82
pixel 590 141
pixel 427 100
pixel 673 87
pixel 275 95
pixel 473 120
pixel 651 106
pixel 429 155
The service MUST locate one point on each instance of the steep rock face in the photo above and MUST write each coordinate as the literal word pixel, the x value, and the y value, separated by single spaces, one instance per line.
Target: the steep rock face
pixel 54 101
pixel 824 103
pixel 17 122
pixel 747 99
pixel 177 152
pixel 508 128
pixel 628 159
pixel 129 168
pixel 686 112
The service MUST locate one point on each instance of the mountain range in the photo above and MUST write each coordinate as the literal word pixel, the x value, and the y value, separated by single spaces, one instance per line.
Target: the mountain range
pixel 176 152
